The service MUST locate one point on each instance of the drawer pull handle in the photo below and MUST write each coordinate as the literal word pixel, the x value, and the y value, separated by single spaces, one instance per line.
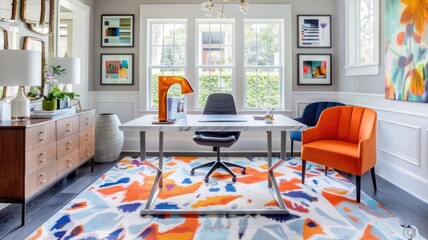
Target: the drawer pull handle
pixel 42 136
pixel 88 137
pixel 68 127
pixel 88 152
pixel 87 121
pixel 69 164
pixel 42 176
pixel 68 145
pixel 42 157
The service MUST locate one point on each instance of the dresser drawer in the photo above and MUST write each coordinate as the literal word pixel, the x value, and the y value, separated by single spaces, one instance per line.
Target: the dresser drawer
pixel 86 136
pixel 67 127
pixel 86 151
pixel 67 145
pixel 67 163
pixel 87 120
pixel 40 157
pixel 40 135
pixel 39 179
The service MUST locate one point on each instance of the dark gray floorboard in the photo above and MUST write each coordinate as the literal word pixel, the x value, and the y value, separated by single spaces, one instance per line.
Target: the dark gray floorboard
pixel 408 208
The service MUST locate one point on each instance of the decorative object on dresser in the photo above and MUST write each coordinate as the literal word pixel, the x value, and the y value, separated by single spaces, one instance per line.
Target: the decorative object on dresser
pixel 39 152
pixel 109 139
pixel 70 75
pixel 20 68
pixel 37 44
pixel 4 44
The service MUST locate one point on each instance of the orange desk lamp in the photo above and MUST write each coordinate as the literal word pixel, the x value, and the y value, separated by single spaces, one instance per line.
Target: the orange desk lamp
pixel 164 83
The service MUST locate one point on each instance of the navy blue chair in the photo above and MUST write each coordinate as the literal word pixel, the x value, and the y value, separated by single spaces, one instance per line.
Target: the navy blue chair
pixel 310 117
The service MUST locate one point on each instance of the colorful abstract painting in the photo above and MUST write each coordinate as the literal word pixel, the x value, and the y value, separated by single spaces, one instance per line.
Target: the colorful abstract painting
pixel 117 30
pixel 323 208
pixel 406 57
pixel 117 69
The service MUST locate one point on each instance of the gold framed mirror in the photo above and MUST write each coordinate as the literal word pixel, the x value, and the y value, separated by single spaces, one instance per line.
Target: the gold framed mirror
pixel 37 44
pixel 8 10
pixel 4 44
pixel 39 15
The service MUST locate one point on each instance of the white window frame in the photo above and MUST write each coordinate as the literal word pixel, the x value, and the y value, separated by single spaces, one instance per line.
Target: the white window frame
pixel 200 66
pixel 150 65
pixel 353 67
pixel 281 60
pixel 192 12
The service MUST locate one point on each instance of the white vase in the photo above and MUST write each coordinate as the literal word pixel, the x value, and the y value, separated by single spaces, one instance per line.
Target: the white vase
pixel 108 138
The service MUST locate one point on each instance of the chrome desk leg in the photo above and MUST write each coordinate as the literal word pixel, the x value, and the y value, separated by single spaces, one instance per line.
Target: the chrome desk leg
pixel 161 158
pixel 158 182
pixel 142 146
pixel 157 187
pixel 269 140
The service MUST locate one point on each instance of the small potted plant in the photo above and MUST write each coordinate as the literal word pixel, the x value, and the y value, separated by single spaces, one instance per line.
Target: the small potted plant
pixel 55 94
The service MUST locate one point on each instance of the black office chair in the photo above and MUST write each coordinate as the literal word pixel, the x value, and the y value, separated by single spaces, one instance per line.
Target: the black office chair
pixel 218 104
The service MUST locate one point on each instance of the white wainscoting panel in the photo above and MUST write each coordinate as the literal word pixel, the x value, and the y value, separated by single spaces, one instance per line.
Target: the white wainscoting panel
pixel 390 135
pixel 402 156
pixel 123 110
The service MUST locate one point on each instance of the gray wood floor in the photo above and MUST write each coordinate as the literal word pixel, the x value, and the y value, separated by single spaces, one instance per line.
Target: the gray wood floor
pixel 410 209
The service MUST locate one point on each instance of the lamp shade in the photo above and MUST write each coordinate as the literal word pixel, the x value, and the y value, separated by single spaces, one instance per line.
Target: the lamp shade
pixel 72 67
pixel 20 68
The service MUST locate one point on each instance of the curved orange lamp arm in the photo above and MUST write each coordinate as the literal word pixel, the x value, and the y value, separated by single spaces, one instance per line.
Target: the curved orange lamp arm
pixel 164 82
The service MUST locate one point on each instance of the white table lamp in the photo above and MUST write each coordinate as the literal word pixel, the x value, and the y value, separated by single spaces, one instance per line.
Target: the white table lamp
pixel 20 68
pixel 72 67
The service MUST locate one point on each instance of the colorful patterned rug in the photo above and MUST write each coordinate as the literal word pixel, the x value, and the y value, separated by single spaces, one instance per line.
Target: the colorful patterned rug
pixel 323 208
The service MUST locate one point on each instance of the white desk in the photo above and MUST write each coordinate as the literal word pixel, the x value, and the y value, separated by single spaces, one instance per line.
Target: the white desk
pixel 280 124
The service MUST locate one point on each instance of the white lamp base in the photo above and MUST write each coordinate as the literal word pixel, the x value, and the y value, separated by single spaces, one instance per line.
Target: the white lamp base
pixel 20 105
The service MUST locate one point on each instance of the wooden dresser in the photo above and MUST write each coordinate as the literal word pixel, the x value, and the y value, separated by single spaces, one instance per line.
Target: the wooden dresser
pixel 36 153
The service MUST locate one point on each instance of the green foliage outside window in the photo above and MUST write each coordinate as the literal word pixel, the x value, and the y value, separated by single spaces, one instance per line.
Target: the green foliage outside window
pixel 262 89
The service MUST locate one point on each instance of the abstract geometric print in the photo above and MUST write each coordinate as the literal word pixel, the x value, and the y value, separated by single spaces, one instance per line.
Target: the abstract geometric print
pixel 323 208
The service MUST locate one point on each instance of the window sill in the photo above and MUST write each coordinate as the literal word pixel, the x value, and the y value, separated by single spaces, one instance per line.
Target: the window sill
pixel 362 70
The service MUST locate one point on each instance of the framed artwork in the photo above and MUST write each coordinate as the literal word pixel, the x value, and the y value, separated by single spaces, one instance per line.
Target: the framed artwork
pixel 406 52
pixel 117 69
pixel 314 31
pixel 117 30
pixel 314 69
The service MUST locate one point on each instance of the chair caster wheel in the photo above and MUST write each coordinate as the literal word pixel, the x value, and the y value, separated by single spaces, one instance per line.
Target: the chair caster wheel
pixel 243 171
pixel 206 180
pixel 233 179
pixel 192 172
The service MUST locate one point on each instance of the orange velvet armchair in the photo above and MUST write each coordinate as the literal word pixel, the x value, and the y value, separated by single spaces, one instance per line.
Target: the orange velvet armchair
pixel 344 139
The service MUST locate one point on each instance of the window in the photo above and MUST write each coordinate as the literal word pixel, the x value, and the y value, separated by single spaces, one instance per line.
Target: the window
pixel 249 56
pixel 215 61
pixel 167 55
pixel 363 37
pixel 263 64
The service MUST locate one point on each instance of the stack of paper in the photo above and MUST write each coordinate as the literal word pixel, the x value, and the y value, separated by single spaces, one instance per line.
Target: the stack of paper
pixel 54 113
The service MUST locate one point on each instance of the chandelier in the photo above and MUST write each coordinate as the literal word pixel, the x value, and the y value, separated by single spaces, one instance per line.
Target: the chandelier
pixel 208 7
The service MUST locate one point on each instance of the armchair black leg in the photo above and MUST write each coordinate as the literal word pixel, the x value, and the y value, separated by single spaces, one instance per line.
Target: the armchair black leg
pixel 372 171
pixel 303 171
pixel 292 155
pixel 358 181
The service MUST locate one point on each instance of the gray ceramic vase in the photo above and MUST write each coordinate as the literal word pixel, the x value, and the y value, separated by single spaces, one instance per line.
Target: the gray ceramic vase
pixel 108 138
